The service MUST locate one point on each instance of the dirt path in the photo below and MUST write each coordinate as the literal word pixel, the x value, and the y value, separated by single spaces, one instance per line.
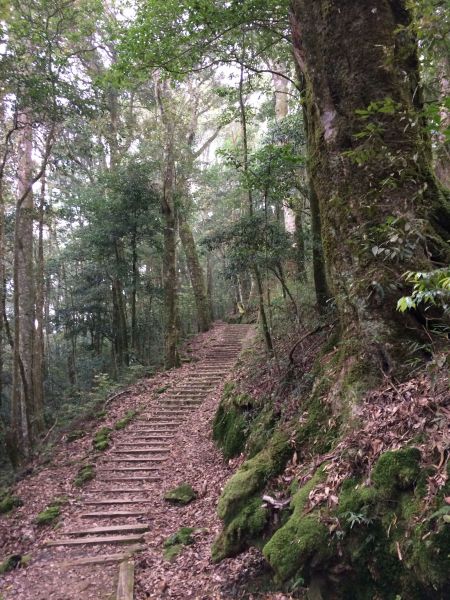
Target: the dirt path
pixel 120 517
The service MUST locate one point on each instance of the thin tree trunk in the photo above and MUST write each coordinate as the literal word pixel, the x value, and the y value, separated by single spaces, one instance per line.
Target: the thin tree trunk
pixel 39 350
pixel 210 285
pixel 259 285
pixel 195 273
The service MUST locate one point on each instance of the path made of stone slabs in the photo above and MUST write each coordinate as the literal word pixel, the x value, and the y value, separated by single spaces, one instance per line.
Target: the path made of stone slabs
pixel 92 557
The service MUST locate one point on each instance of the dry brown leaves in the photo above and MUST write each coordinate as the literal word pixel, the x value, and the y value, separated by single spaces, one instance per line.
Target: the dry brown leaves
pixel 416 412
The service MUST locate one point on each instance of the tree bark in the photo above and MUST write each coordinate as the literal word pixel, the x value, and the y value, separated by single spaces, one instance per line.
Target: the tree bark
pixel 168 209
pixel 370 184
pixel 195 274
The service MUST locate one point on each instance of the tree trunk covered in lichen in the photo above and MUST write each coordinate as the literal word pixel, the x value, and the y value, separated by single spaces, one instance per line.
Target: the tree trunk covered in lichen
pixel 382 212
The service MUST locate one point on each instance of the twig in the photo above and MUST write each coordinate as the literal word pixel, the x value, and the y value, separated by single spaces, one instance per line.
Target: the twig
pixel 49 431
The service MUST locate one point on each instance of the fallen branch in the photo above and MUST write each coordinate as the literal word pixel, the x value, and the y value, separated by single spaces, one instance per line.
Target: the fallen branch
pixel 303 338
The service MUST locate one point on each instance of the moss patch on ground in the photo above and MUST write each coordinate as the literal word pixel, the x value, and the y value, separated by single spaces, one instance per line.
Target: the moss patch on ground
pixel 182 494
pixel 8 502
pixel 51 513
pixel 127 418
pixel 14 561
pixel 101 439
pixel 175 543
pixel 85 473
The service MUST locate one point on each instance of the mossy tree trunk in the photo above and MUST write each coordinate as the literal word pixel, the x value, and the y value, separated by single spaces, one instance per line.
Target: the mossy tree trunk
pixel 382 212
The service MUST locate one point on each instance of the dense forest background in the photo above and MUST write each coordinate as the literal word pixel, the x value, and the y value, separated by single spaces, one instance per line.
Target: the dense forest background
pixel 167 164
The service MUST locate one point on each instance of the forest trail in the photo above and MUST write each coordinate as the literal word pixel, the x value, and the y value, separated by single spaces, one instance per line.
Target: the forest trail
pixel 90 556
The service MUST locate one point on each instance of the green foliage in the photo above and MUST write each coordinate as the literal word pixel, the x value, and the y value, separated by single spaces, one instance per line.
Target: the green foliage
pixel 51 513
pixel 182 494
pixel 252 242
pixel 431 288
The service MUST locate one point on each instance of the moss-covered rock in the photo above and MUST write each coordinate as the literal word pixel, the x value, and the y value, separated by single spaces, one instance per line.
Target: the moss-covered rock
pixel 396 471
pixel 232 421
pixel 182 494
pixel 244 529
pixel 302 538
pixel 174 544
pixel 85 473
pixel 240 505
pixel 251 478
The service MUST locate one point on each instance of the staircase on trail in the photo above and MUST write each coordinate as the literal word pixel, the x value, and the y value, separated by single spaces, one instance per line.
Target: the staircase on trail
pixel 113 517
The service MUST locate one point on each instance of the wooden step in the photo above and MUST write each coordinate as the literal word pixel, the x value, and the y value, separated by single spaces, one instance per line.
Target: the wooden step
pixel 124 478
pixel 125 585
pixel 112 514
pixel 129 528
pixel 119 469
pixel 120 501
pixel 103 559
pixel 140 451
pixel 136 444
pixel 121 491
pixel 110 539
pixel 132 460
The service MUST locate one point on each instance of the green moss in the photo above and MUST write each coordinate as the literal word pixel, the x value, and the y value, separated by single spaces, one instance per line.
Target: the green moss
pixel 85 473
pixel 300 538
pixel 123 422
pixel 252 476
pixel 50 514
pixel 232 421
pixel 244 529
pixel 76 434
pixel 261 431
pixel 396 471
pixel 9 502
pixel 240 505
pixel 183 494
pixel 295 544
pixel 10 562
pixel 102 439
pixel 175 543
pixel 355 497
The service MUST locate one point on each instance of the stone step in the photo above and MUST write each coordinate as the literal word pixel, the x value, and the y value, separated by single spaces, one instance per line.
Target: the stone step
pixel 128 528
pixel 111 539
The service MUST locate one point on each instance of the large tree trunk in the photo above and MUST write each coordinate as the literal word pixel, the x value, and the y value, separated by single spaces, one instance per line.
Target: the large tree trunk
pixel 195 274
pixel 26 418
pixel 375 185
